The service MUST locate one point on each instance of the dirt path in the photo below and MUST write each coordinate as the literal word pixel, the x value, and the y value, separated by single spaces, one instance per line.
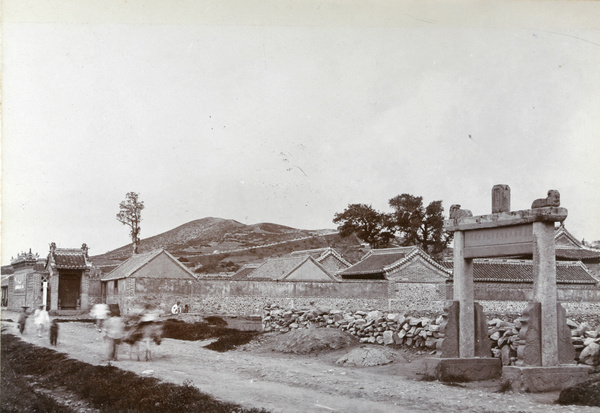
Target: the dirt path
pixel 292 383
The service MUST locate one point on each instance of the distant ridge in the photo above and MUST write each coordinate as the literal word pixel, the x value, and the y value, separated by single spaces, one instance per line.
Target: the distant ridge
pixel 210 236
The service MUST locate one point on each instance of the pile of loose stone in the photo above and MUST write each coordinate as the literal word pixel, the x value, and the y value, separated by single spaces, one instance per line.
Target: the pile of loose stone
pixel 505 336
pixel 418 332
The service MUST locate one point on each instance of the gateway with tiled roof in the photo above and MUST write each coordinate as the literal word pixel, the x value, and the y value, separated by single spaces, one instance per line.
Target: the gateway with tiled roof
pixel 69 277
pixel 301 268
pixel 521 271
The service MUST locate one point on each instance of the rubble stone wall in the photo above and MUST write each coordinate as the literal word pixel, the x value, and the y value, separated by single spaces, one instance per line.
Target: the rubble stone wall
pixel 421 332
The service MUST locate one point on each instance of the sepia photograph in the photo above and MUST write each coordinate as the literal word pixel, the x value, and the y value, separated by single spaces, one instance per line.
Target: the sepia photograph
pixel 300 206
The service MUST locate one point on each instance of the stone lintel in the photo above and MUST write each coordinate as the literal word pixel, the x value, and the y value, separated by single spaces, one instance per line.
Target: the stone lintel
pixel 544 379
pixel 504 219
pixel 464 369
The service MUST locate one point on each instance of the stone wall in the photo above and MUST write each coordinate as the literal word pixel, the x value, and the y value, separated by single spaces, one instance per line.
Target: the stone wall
pixel 243 297
pixel 514 293
pixel 516 307
pixel 421 331
pixel 249 297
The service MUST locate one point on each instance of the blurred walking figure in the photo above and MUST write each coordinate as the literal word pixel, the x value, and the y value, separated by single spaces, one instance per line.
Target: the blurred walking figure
pixel 41 319
pixel 176 309
pixel 100 313
pixel 54 332
pixel 23 319
pixel 114 332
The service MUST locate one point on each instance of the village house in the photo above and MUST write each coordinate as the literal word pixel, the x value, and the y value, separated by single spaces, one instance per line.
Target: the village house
pixel 512 280
pixel 414 279
pixel 291 268
pixel 156 278
pixel 569 248
pixel 328 257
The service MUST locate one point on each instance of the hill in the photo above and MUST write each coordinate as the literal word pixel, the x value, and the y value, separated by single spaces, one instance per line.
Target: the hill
pixel 214 245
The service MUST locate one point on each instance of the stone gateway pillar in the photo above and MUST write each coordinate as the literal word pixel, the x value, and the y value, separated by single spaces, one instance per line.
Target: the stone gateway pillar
pixel 544 354
pixel 464 294
pixel 545 290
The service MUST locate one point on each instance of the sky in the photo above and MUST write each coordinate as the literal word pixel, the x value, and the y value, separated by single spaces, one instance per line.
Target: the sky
pixel 288 111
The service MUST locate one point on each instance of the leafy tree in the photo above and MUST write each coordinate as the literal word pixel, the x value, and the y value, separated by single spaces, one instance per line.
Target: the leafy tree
pixel 414 223
pixel 369 225
pixel 130 214
pixel 418 225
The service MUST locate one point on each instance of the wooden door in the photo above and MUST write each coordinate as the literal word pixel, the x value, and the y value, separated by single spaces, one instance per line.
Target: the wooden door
pixel 68 291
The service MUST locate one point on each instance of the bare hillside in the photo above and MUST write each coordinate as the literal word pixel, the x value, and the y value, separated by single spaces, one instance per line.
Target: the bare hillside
pixel 208 242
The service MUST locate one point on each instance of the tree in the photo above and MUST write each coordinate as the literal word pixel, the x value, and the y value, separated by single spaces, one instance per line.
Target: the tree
pixel 415 224
pixel 369 225
pixel 420 226
pixel 130 214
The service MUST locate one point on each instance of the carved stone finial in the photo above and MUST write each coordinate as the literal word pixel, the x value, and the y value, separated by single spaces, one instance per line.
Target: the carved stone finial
pixel 552 200
pixel 456 212
pixel 85 248
pixel 52 247
pixel 500 198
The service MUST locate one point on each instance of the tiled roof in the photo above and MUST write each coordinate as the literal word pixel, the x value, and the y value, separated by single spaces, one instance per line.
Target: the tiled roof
pixel 374 263
pixel 127 268
pixel 570 248
pixel 320 254
pixel 577 254
pixel 417 252
pixel 131 265
pixel 277 268
pixel 69 258
pixel 281 268
pixel 521 271
pixel 243 272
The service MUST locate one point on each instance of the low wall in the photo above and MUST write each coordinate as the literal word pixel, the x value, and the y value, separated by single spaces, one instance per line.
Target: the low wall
pixel 224 296
pixel 250 297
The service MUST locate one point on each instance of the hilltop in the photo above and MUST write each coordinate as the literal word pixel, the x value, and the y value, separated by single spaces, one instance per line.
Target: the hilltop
pixel 223 245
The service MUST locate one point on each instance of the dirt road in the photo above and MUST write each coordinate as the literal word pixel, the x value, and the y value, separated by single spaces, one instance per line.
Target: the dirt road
pixel 294 383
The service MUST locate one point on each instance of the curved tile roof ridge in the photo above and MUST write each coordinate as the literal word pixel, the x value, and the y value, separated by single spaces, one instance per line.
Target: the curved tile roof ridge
pixel 417 251
pixel 331 251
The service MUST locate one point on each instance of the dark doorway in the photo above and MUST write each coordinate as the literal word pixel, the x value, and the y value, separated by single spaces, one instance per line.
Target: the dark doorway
pixel 68 291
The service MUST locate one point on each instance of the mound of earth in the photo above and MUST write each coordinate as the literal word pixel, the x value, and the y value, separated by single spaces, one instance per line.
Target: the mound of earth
pixel 366 357
pixel 582 394
pixel 306 341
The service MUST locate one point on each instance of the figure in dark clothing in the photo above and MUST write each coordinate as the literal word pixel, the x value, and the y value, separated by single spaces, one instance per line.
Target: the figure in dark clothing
pixel 54 332
pixel 22 320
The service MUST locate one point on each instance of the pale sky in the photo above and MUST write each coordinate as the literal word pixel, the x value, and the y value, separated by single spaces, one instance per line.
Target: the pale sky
pixel 288 111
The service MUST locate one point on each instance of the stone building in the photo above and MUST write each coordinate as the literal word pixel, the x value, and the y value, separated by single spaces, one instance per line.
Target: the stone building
pixel 22 282
pixel 414 279
pixel 512 280
pixel 156 278
pixel 291 268
pixel 569 248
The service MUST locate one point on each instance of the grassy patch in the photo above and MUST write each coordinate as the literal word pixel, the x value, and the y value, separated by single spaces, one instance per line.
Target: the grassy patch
pixel 106 388
pixel 228 338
